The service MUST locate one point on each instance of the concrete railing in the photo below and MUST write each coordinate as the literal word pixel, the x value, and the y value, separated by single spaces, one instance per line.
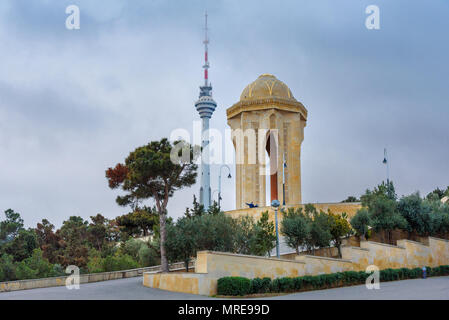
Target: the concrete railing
pixel 87 278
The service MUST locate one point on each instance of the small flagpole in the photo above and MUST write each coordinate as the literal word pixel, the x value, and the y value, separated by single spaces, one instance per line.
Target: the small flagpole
pixel 386 162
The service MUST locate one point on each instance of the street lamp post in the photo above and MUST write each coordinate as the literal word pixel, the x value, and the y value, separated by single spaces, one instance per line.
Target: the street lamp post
pixel 219 182
pixel 214 193
pixel 275 204
pixel 284 165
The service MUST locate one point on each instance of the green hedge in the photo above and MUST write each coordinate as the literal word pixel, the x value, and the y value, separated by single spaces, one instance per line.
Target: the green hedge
pixel 234 286
pixel 260 285
pixel 239 286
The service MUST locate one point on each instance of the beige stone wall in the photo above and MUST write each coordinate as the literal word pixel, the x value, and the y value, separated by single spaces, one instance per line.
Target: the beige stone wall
pixel 319 265
pixel 407 254
pixel 202 284
pixel 349 208
pixel 60 281
pixel 220 264
pixel 329 252
pixel 360 257
pixel 386 256
pixel 439 252
pixel 417 254
pixel 84 278
pixel 210 266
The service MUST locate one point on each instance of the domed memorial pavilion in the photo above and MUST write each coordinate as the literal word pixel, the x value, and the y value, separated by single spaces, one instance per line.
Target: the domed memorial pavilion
pixel 276 121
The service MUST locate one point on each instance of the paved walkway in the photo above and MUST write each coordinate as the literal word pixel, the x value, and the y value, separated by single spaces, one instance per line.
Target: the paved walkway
pixel 132 288
pixel 122 289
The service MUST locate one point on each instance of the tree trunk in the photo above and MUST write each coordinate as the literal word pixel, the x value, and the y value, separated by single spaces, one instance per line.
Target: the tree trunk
pixel 339 251
pixel 162 222
pixel 187 265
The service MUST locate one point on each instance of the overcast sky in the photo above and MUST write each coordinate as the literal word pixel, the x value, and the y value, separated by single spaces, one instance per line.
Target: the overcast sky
pixel 75 102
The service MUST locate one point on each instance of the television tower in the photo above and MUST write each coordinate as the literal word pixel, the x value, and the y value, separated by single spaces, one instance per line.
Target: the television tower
pixel 205 107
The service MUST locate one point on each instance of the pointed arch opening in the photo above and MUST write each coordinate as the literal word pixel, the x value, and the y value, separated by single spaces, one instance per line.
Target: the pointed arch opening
pixel 272 151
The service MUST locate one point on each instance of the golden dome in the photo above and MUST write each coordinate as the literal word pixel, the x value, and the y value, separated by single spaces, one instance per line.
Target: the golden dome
pixel 266 86
pixel 266 93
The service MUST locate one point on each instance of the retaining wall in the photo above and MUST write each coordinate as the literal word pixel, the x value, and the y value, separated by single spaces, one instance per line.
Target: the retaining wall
pixel 319 265
pixel 385 256
pixel 360 257
pixel 349 208
pixel 84 278
pixel 210 266
pixel 221 264
pixel 195 283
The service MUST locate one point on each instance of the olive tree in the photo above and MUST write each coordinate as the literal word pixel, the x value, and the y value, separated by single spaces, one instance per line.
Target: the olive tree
pixel 360 222
pixel 295 228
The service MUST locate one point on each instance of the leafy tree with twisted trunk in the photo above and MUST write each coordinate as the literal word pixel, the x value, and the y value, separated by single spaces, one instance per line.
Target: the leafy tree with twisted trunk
pixel 418 214
pixel 264 236
pixel 295 226
pixel 319 228
pixel 382 206
pixel 182 240
pixel 361 223
pixel 155 171
pixel 339 228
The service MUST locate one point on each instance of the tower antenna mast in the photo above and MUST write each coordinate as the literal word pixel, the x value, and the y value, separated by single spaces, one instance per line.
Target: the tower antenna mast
pixel 206 58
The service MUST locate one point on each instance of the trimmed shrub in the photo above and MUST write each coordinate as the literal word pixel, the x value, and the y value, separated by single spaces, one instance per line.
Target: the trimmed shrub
pixel 404 273
pixel 307 281
pixel 438 271
pixel 444 270
pixel 238 286
pixel 327 280
pixel 351 277
pixel 286 285
pixel 299 284
pixel 283 285
pixel 385 275
pixel 259 285
pixel 233 286
pixel 275 286
pixel 415 273
pixel 314 282
pixel 363 276
pixel 390 274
